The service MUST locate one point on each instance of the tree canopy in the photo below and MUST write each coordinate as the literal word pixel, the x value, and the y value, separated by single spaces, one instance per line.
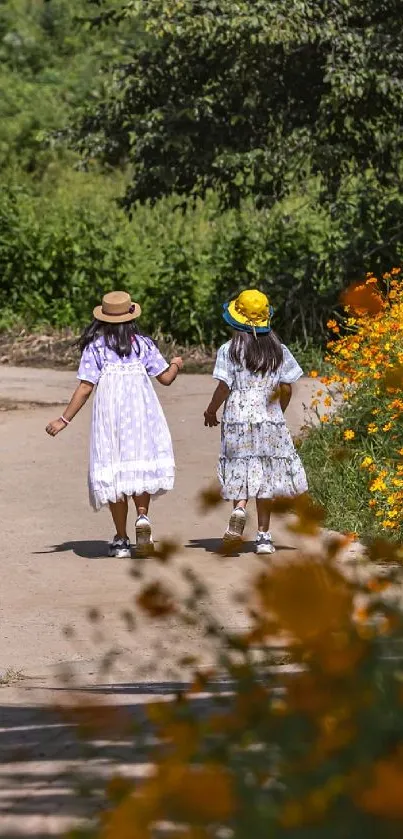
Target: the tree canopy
pixel 253 96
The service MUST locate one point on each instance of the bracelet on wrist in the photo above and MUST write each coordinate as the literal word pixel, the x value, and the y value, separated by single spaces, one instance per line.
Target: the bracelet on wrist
pixel 66 421
pixel 174 364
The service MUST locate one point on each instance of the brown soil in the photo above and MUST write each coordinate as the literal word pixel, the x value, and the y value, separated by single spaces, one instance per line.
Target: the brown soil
pixel 58 350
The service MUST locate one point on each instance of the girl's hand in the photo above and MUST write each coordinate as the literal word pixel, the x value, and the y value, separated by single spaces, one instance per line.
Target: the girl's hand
pixel 210 419
pixel 55 426
pixel 178 361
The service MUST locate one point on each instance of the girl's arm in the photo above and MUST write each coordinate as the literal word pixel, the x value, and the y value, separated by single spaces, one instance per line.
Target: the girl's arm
pixel 168 376
pixel 220 394
pixel 285 396
pixel 79 398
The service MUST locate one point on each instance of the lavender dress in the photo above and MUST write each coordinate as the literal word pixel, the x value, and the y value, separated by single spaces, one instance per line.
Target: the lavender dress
pixel 131 447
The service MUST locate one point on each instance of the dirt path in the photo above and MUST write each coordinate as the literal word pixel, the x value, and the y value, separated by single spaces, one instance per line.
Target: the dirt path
pixel 54 571
pixel 53 564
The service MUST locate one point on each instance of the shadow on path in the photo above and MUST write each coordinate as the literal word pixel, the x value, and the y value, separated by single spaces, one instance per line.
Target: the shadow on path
pixel 50 779
pixel 214 546
pixel 86 549
pixel 99 550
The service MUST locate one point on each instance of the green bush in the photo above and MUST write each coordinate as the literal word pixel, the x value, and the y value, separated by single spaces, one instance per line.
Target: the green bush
pixel 65 242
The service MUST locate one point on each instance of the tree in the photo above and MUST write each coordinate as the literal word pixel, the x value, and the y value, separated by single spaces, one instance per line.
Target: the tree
pixel 48 68
pixel 252 96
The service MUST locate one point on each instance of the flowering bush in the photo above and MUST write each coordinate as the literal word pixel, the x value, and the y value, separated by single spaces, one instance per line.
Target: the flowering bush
pixel 365 435
pixel 255 750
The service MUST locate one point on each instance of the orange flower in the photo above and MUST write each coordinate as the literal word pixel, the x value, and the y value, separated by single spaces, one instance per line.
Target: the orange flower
pixel 383 797
pixel 308 598
pixel 156 600
pixel 203 793
pixel 361 298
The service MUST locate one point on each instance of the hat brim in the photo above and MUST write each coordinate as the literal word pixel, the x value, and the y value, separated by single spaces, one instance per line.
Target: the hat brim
pixel 100 315
pixel 238 322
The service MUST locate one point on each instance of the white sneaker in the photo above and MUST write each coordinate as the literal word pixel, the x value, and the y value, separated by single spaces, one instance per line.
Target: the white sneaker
pixel 264 543
pixel 236 525
pixel 120 548
pixel 144 539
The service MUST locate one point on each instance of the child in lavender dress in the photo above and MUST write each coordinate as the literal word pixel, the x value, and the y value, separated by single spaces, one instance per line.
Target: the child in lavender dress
pixel 131 450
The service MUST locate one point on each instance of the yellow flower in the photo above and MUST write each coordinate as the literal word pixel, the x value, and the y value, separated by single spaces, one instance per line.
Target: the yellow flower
pixel 324 418
pixel 327 401
pixel 349 434
pixel 387 426
pixel 372 428
pixel 366 462
pixel 377 485
pixel 331 324
pixel 314 374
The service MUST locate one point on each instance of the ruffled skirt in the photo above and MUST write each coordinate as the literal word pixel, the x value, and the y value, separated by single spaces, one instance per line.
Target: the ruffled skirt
pixel 259 460
pixel 131 448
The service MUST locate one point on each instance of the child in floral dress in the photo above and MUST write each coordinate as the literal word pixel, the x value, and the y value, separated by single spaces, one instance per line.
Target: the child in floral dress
pixel 131 450
pixel 258 459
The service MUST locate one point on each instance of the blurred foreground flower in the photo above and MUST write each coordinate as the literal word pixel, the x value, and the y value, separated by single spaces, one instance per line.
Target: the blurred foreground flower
pixel 308 598
pixel 210 498
pixel 156 600
pixel 361 298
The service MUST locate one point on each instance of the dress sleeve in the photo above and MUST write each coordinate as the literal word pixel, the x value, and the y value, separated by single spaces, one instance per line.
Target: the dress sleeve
pixel 90 365
pixel 153 361
pixel 290 371
pixel 224 370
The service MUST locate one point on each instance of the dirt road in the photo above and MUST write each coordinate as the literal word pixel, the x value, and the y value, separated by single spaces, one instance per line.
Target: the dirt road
pixel 53 560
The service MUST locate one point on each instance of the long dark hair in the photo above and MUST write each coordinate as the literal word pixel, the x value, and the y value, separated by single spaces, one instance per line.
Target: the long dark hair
pixel 120 337
pixel 263 354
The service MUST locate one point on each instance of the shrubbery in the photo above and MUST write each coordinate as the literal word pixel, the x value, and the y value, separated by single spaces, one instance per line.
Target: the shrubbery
pixel 355 457
pixel 65 242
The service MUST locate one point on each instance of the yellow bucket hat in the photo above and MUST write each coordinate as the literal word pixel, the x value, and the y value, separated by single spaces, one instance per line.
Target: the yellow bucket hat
pixel 249 312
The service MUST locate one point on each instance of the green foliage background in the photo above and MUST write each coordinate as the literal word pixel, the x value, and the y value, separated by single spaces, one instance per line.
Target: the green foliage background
pixel 64 239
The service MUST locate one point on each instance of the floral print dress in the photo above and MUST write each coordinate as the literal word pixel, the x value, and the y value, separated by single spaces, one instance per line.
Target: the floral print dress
pixel 258 458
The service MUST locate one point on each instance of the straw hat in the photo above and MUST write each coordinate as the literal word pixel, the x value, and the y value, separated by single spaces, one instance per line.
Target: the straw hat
pixel 117 307
pixel 249 312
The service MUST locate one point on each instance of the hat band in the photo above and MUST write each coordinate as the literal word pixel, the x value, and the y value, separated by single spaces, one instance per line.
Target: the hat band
pixel 245 327
pixel 119 314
